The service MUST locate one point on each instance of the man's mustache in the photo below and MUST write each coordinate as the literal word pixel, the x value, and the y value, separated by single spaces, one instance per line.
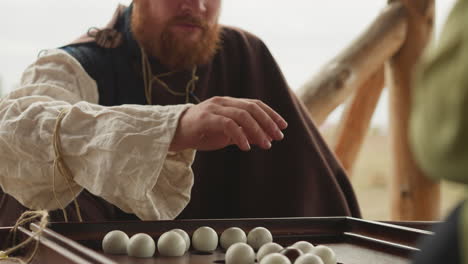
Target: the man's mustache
pixel 190 20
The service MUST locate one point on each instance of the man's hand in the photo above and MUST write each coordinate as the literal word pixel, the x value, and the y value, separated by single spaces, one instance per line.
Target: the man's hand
pixel 222 121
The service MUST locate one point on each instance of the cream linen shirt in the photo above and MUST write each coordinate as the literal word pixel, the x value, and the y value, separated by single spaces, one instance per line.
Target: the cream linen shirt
pixel 119 153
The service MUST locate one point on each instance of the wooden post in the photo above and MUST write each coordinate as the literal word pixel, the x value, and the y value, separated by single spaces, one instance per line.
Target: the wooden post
pixel 414 196
pixel 356 119
pixel 356 64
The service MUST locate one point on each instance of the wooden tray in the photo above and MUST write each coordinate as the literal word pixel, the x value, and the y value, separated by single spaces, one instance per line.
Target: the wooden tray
pixel 424 225
pixel 355 241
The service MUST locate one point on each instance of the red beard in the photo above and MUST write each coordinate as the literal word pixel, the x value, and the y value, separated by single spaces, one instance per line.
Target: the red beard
pixel 174 51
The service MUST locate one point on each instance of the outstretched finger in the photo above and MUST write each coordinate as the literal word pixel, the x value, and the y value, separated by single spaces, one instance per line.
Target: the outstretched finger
pixel 250 126
pixel 278 119
pixel 233 131
pixel 259 115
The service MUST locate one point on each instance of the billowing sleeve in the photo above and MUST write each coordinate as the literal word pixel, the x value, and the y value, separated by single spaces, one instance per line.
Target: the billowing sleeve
pixel 439 119
pixel 119 153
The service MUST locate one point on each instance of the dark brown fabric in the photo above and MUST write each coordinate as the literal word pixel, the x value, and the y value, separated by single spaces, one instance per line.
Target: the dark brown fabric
pixel 298 177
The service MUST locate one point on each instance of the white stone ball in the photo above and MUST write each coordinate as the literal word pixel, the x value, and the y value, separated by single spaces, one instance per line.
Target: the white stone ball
pixel 205 239
pixel 304 246
pixel 171 244
pixel 275 258
pixel 240 253
pixel 327 255
pixel 141 246
pixel 309 258
pixel 115 242
pixel 185 236
pixel 258 237
pixel 231 236
pixel 268 248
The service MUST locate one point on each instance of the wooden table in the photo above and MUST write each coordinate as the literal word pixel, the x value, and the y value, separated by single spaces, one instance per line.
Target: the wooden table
pixel 355 241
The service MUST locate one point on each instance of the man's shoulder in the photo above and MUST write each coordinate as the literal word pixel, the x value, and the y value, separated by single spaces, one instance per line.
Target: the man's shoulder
pixel 93 58
pixel 236 36
pixel 86 53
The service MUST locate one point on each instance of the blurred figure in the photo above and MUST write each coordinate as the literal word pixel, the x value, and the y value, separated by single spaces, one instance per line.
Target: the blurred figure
pixel 439 130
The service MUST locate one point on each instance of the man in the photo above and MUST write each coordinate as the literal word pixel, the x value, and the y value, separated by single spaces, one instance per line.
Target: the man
pixel 439 129
pixel 172 52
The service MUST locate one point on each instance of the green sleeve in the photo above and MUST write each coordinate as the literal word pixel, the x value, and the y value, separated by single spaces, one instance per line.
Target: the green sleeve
pixel 439 118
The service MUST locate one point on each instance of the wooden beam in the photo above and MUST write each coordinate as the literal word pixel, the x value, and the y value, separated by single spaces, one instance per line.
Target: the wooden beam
pixel 414 196
pixel 356 119
pixel 356 64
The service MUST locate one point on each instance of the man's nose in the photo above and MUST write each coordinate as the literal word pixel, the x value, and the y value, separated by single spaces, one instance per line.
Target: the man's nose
pixel 194 5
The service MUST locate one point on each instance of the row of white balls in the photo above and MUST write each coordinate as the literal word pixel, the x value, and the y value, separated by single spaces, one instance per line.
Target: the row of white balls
pixel 176 242
pixel 242 253
pixel 142 245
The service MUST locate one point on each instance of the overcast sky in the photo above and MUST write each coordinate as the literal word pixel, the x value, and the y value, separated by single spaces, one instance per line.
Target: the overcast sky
pixel 302 34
